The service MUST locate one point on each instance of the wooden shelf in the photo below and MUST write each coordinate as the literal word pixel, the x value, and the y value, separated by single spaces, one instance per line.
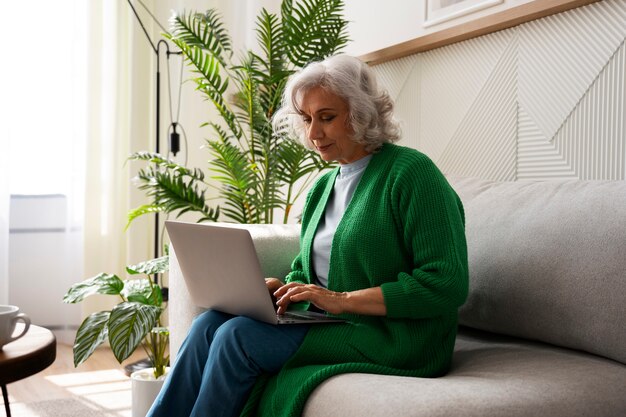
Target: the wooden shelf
pixel 498 21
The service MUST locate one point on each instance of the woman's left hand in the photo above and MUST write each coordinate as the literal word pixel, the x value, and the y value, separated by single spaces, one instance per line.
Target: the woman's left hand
pixel 331 301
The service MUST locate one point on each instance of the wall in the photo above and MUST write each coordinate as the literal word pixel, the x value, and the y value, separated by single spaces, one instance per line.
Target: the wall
pixel 401 21
pixel 542 100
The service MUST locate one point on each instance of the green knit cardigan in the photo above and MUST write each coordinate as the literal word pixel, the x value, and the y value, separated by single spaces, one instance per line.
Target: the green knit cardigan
pixel 403 231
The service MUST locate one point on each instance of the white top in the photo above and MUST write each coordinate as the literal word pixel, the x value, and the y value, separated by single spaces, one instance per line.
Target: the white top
pixel 345 184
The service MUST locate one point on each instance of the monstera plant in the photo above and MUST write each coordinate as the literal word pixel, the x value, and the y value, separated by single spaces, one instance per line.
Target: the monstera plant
pixel 257 173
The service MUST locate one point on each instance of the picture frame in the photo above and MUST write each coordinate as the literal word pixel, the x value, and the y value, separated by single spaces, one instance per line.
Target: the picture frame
pixel 439 11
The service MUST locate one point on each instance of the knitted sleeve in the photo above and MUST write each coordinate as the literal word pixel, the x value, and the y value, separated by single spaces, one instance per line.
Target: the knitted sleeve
pixel 297 274
pixel 430 217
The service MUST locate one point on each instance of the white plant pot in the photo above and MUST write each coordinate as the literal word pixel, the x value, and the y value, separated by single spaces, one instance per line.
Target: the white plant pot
pixel 145 389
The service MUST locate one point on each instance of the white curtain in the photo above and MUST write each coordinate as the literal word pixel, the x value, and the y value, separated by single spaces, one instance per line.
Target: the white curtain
pixel 119 120
pixel 41 156
pixel 4 217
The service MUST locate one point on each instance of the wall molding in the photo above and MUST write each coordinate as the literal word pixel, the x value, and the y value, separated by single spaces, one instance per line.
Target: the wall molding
pixel 505 19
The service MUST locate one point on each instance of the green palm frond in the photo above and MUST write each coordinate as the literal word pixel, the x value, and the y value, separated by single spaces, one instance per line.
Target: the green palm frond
pixel 205 31
pixel 239 179
pixel 293 163
pixel 223 135
pixel 313 29
pixel 158 160
pixel 251 112
pixel 143 210
pixel 175 192
pixel 275 72
pixel 210 82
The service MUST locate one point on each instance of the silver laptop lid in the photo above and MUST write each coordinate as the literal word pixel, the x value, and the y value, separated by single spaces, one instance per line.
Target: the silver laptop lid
pixel 221 269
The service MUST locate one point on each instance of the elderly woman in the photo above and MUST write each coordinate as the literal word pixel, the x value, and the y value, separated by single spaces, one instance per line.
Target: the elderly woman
pixel 382 246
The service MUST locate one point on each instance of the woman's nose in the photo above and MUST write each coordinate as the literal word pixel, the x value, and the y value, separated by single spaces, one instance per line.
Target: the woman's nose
pixel 315 131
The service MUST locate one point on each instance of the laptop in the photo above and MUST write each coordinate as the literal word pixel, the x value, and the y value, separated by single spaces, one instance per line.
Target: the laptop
pixel 222 272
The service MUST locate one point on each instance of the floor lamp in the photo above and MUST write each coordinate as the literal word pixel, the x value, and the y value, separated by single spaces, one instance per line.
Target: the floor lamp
pixel 174 139
pixel 174 147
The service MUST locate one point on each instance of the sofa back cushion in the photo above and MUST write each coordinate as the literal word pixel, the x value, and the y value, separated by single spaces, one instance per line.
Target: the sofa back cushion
pixel 548 261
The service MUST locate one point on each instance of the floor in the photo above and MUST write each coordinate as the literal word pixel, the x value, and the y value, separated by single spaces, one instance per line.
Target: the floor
pixel 99 380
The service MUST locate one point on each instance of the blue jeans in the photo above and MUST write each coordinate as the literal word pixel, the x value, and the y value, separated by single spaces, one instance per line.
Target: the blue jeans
pixel 219 362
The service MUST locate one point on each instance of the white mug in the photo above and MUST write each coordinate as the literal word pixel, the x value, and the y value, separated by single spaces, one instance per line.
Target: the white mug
pixel 9 315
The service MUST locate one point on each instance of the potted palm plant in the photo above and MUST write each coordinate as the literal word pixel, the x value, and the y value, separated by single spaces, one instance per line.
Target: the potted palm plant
pixel 259 174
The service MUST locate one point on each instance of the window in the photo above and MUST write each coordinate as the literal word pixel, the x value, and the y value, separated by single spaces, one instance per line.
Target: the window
pixel 43 73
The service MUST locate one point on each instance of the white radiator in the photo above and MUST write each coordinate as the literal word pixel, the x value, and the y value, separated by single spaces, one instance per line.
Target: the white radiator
pixel 45 258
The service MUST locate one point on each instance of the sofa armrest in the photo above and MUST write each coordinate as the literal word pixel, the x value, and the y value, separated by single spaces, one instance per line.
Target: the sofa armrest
pixel 276 246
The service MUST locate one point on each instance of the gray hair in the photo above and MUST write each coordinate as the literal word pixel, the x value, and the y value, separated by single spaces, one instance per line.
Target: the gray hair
pixel 370 108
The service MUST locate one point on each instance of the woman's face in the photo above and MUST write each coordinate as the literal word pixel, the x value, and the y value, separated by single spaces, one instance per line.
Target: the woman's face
pixel 325 117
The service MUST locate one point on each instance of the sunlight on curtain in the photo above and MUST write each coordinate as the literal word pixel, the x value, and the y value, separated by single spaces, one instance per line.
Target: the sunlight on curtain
pixel 118 120
pixel 76 100
pixel 4 217
pixel 4 191
pixel 42 150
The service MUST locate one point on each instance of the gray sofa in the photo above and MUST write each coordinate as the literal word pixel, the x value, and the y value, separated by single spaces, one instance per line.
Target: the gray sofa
pixel 543 331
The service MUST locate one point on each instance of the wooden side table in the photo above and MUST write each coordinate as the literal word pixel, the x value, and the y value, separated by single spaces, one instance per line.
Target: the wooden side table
pixel 26 356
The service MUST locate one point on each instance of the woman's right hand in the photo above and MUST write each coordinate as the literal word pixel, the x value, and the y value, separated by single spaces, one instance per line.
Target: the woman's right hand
pixel 273 284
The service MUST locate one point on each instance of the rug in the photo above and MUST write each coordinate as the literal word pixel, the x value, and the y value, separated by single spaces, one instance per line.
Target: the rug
pixel 66 407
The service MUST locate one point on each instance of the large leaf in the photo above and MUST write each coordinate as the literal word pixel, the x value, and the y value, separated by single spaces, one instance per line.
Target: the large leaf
pixel 129 323
pixel 91 333
pixel 150 267
pixel 143 291
pixel 107 284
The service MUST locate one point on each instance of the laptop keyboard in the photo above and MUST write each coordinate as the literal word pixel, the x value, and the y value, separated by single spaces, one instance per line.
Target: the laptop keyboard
pixel 291 315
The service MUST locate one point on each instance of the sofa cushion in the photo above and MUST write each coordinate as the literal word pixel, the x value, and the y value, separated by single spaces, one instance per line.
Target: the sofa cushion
pixel 491 376
pixel 548 261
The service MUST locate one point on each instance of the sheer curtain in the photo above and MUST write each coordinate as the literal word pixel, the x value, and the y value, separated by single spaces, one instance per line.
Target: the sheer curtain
pixel 120 114
pixel 40 155
pixel 4 217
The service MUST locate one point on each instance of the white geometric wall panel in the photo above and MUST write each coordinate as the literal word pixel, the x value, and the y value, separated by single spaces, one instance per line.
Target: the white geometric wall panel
pixel 484 144
pixel 408 105
pixel 543 100
pixel 537 157
pixel 593 138
pixel 394 75
pixel 562 55
pixel 451 80
pixel 400 78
